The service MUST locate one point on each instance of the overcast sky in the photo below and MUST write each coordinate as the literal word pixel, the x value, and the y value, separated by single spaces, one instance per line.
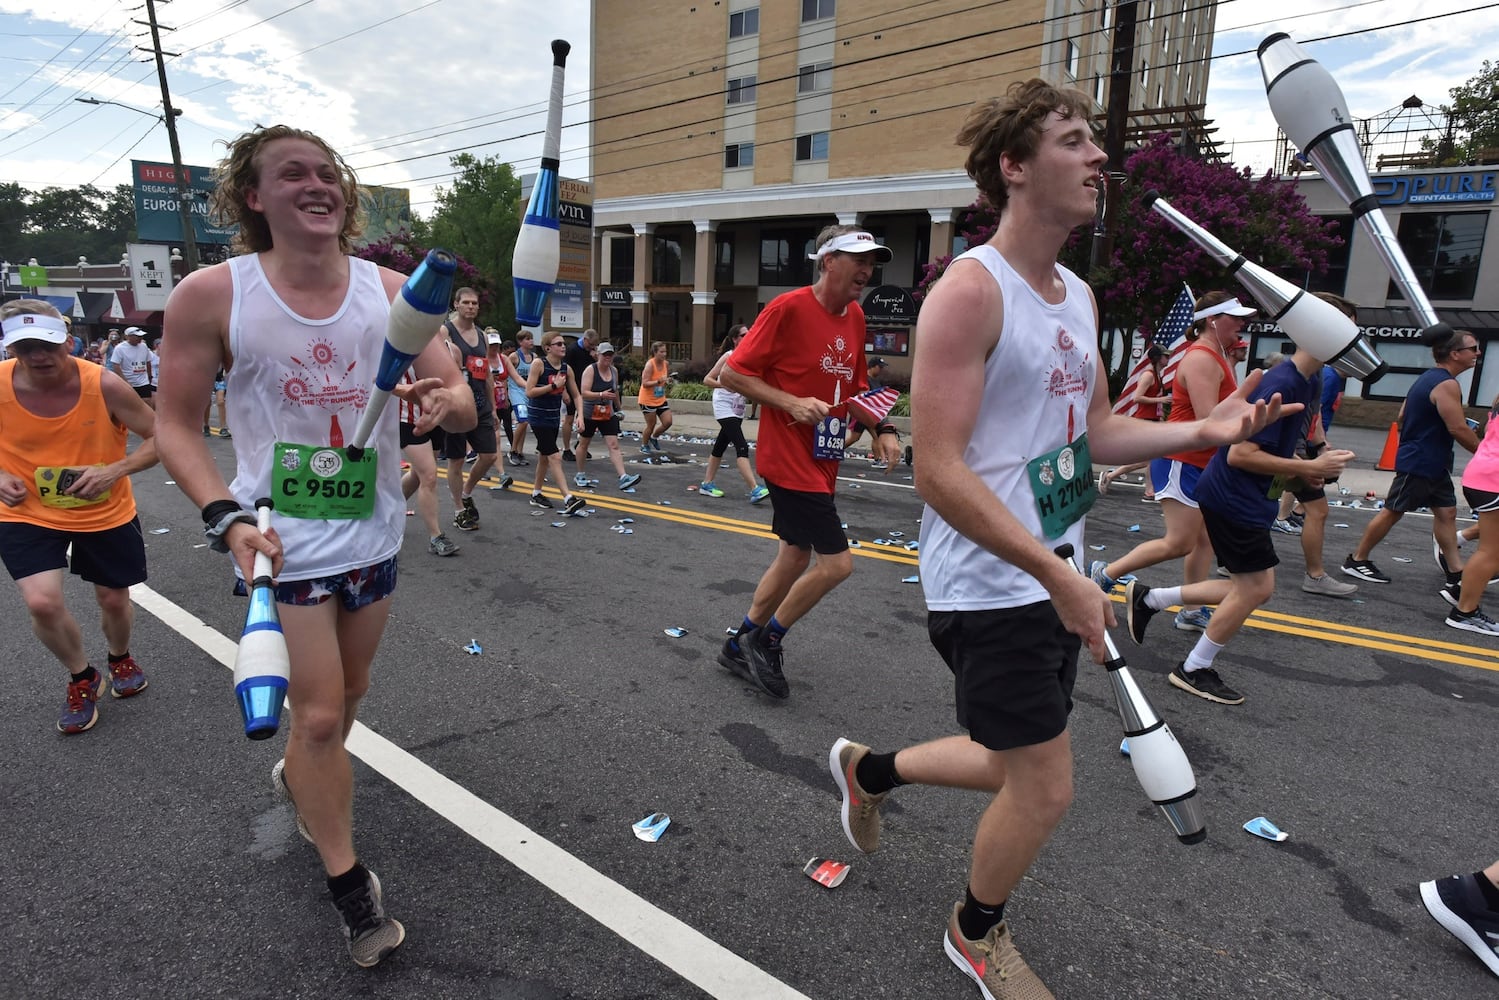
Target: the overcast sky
pixel 399 97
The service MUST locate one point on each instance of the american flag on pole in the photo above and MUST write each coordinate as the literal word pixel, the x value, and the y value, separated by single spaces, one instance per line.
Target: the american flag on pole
pixel 1172 335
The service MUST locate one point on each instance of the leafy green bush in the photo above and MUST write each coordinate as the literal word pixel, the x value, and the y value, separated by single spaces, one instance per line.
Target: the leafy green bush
pixel 902 407
pixel 691 390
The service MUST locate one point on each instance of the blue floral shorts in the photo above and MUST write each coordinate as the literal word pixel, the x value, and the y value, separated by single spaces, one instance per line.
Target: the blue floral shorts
pixel 358 588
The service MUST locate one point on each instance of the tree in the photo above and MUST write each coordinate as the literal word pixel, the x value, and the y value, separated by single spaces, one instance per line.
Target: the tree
pixel 479 218
pixel 1266 220
pixel 402 252
pixel 1473 119
pixel 58 225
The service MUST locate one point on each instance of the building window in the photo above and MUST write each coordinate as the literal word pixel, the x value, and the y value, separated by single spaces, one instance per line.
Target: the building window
pixel 743 23
pixel 1144 73
pixel 1103 17
pixel 1444 249
pixel 738 154
pixel 667 265
pixel 742 90
pixel 1098 90
pixel 723 259
pixel 783 256
pixel 1071 59
pixel 813 146
pixel 622 261
pixel 816 10
pixel 814 78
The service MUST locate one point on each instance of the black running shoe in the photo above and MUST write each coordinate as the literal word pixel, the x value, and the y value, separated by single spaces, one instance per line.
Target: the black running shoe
pixel 1457 903
pixel 537 500
pixel 734 661
pixel 1205 683
pixel 1364 569
pixel 765 663
pixel 1136 613
pixel 573 504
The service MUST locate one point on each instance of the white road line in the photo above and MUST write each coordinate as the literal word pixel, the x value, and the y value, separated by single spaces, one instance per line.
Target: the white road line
pixel 872 481
pixel 684 950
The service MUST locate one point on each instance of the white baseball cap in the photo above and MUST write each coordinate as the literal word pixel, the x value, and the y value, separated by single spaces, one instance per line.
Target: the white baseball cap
pixel 34 326
pixel 856 242
pixel 134 331
pixel 606 348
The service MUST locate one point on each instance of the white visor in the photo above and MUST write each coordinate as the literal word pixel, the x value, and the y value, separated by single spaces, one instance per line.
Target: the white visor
pixel 859 242
pixel 1233 307
pixel 34 326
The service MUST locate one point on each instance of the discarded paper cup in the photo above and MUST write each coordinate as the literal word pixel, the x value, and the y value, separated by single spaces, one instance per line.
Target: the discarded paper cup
pixel 826 872
pixel 651 828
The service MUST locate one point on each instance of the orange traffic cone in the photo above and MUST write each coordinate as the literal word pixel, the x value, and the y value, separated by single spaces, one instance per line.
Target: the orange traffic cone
pixel 1391 446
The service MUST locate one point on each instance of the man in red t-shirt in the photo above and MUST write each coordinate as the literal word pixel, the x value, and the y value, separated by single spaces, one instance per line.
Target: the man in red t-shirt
pixel 804 358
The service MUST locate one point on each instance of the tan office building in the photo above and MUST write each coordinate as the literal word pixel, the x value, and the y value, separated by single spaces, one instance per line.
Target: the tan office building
pixel 726 134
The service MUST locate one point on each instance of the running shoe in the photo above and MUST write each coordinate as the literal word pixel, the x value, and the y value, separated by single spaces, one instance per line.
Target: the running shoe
pixel 580 480
pixel 1436 553
pixel 709 490
pixel 466 520
pixel 645 448
pixel 629 480
pixel 1472 621
pixel 468 506
pixel 765 663
pixel 537 500
pixel 1458 904
pixel 1137 612
pixel 283 791
pixel 1451 592
pixel 206 431
pixel 224 433
pixel 370 933
pixel 1285 527
pixel 126 679
pixel 1326 586
pixel 442 545
pixel 860 812
pixel 81 709
pixel 732 659
pixel 506 481
pixel 1206 684
pixel 1096 573
pixel 993 963
pixel 568 456
pixel 1193 621
pixel 1364 569
pixel 573 504
pixel 758 494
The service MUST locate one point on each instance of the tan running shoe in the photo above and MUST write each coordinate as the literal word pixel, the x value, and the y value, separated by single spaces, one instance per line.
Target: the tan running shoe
pixel 861 810
pixel 993 963
pixel 370 933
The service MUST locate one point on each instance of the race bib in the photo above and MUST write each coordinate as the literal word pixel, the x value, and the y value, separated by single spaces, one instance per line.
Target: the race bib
pixel 322 483
pixel 53 481
pixel 477 366
pixel 600 412
pixel 659 391
pixel 1062 482
pixel 827 439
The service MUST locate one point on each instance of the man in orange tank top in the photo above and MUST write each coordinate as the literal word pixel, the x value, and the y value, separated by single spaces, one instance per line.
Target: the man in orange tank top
pixel 64 480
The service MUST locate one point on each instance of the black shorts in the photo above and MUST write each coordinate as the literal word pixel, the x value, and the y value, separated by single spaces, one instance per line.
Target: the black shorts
pixel 609 428
pixel 807 520
pixel 1304 493
pixel 546 439
pixel 1240 547
pixel 144 391
pixel 113 558
pixel 569 406
pixel 482 439
pixel 1482 501
pixel 1013 672
pixel 1409 491
pixel 410 437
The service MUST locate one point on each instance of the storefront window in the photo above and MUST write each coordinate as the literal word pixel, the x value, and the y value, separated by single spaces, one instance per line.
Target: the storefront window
pixel 1444 250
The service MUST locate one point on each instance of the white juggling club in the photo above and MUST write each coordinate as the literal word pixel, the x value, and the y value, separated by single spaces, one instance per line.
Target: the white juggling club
pixel 1317 326
pixel 1161 765
pixel 262 667
pixel 538 247
pixel 415 316
pixel 1309 105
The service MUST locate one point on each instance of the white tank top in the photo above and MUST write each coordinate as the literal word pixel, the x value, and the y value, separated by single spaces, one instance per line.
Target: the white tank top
pixel 306 381
pixel 727 402
pixel 1038 383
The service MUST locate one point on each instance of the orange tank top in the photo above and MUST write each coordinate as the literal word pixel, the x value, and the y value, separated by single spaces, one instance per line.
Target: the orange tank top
pixel 1181 404
pixel 653 371
pixel 45 451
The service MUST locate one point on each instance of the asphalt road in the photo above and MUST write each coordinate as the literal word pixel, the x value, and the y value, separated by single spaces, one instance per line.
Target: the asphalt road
pixel 495 793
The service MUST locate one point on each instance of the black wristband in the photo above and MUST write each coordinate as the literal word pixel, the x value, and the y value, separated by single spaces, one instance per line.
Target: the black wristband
pixel 886 429
pixel 217 509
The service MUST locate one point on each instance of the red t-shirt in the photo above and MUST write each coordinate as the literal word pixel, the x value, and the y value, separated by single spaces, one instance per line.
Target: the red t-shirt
pixel 797 346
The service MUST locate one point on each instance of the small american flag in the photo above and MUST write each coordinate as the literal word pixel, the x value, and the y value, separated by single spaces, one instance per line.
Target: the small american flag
pixel 1172 335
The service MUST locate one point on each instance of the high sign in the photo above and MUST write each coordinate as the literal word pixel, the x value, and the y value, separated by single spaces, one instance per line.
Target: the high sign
pixel 156 213
pixel 150 275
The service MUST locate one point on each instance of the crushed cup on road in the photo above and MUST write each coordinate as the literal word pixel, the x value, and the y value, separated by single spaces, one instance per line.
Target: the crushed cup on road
pixel 675 631
pixel 473 648
pixel 826 872
pixel 1262 827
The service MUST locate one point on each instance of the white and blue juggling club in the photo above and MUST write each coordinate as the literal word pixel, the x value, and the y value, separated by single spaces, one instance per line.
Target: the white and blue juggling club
pixel 415 316
pixel 262 667
pixel 538 248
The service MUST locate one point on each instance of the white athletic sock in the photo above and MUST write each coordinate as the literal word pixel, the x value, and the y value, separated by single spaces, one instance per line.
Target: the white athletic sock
pixel 1161 598
pixel 1202 654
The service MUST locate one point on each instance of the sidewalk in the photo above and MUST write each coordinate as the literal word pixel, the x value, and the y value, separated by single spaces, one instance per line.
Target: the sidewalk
pixel 694 418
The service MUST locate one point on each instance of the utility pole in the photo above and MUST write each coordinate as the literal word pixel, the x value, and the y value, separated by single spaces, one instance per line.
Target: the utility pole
pixel 184 210
pixel 1121 73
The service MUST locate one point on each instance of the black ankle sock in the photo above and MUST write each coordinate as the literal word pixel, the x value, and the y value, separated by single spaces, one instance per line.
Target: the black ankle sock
pixel 876 773
pixel 1490 894
pixel 341 885
pixel 118 659
pixel 976 919
pixel 88 674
